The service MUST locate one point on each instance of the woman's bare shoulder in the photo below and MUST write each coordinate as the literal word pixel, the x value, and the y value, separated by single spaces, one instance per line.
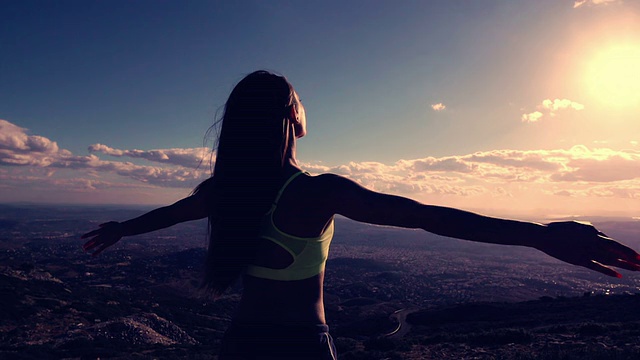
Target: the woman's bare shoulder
pixel 329 180
pixel 329 187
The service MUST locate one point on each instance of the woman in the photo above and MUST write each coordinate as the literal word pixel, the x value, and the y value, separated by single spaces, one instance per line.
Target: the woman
pixel 271 224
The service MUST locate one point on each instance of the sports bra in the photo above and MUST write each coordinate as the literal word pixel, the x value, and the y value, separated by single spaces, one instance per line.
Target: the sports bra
pixel 309 254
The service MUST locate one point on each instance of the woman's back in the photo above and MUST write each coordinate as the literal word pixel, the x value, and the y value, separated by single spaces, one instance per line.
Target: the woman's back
pixel 301 215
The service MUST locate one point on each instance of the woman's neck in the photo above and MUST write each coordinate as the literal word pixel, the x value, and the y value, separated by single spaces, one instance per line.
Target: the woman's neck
pixel 290 167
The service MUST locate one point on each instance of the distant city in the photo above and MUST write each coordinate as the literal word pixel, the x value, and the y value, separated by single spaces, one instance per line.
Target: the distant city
pixel 141 296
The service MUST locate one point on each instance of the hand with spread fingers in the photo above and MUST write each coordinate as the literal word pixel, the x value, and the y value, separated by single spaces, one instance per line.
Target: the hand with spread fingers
pixel 583 245
pixel 102 238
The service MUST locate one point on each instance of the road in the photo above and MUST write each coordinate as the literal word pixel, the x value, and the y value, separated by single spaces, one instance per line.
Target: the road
pixel 403 326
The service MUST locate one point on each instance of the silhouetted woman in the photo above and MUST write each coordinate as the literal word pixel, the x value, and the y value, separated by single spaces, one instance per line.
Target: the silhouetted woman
pixel 271 224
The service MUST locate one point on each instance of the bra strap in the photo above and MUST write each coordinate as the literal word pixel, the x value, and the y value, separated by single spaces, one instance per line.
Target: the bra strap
pixel 275 202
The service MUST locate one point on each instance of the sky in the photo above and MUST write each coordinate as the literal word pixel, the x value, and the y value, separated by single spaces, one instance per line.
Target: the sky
pixel 514 108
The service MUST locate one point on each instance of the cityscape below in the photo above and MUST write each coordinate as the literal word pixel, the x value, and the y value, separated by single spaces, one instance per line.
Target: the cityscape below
pixel 390 294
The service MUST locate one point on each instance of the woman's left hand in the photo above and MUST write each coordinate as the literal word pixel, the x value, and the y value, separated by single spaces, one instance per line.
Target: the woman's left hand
pixel 583 245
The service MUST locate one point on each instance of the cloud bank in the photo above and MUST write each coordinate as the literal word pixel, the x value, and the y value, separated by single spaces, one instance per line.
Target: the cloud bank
pixel 577 164
pixel 19 149
pixel 492 176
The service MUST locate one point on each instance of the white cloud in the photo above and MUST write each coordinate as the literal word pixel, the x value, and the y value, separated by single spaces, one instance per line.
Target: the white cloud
pixel 193 157
pixel 438 107
pixel 531 117
pixel 18 148
pixel 559 104
pixel 13 137
pixel 503 174
pixel 579 3
pixel 67 184
pixel 551 107
pixel 600 165
pixel 624 191
pixel 444 164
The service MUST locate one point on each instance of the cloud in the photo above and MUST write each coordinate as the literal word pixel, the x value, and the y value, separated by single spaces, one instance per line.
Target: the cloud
pixel 559 104
pixel 67 184
pixel 156 175
pixel 531 117
pixel 601 165
pixel 624 191
pixel 576 174
pixel 444 164
pixel 192 157
pixel 484 172
pixel 584 177
pixel 13 137
pixel 579 3
pixel 438 107
pixel 578 163
pixel 550 107
pixel 399 178
pixel 18 148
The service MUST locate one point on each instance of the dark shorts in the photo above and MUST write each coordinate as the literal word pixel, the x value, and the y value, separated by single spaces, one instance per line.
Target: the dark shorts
pixel 277 342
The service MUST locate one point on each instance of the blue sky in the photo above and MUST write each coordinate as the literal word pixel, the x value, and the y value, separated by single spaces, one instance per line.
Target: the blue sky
pixel 150 75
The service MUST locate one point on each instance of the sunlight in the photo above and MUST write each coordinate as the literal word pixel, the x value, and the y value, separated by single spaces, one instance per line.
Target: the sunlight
pixel 613 76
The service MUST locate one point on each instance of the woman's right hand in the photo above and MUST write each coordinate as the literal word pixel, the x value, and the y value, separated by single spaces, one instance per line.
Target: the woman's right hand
pixel 102 238
pixel 583 245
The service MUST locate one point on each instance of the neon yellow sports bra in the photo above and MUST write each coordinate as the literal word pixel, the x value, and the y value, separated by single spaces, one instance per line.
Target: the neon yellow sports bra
pixel 309 254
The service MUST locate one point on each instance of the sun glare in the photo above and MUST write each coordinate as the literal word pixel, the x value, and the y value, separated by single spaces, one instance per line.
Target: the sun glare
pixel 613 76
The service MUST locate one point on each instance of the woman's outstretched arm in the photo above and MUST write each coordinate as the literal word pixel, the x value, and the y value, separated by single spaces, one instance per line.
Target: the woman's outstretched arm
pixel 190 208
pixel 576 243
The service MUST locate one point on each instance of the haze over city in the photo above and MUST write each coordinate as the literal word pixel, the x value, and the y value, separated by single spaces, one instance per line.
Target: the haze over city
pixel 526 108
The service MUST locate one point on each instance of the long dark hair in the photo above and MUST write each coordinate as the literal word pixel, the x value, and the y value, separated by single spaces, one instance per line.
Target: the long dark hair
pixel 253 144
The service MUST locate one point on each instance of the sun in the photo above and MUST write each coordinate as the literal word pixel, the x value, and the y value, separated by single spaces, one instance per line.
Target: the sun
pixel 613 76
